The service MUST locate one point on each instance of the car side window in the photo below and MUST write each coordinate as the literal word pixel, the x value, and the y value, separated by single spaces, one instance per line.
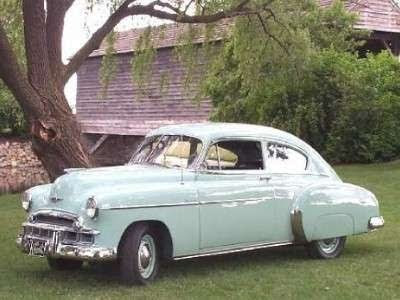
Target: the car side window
pixel 284 159
pixel 234 155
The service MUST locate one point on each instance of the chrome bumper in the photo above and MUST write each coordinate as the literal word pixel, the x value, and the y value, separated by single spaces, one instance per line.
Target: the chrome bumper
pixel 375 223
pixel 48 240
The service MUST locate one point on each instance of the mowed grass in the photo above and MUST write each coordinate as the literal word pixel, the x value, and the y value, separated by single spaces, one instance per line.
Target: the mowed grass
pixel 368 269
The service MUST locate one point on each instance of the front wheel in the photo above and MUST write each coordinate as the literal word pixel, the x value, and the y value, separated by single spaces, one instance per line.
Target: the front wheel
pixel 139 259
pixel 327 248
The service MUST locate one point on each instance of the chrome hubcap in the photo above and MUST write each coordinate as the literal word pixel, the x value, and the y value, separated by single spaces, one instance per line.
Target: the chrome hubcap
pixel 146 256
pixel 329 245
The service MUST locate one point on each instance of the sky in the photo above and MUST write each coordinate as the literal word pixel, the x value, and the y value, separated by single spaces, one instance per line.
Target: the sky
pixel 79 24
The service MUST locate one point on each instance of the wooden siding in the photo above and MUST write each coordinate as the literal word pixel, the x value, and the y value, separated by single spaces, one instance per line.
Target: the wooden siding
pixel 165 36
pixel 128 110
pixel 377 15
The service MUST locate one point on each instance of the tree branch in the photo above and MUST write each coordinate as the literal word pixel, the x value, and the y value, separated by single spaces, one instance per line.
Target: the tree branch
pixel 269 34
pixel 95 40
pixel 181 17
pixel 56 11
pixel 127 9
pixel 12 75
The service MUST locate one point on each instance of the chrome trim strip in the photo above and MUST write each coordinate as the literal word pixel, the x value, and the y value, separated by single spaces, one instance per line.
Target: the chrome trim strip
pixel 259 199
pixel 56 213
pixel 149 206
pixel 187 203
pixel 249 248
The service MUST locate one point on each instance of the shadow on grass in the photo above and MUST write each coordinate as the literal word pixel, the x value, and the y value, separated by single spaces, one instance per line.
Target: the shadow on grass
pixel 108 273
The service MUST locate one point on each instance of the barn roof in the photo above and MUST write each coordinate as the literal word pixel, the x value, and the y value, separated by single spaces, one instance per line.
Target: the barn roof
pixel 167 35
pixel 377 15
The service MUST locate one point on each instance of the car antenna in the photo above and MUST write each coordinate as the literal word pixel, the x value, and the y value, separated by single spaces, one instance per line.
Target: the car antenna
pixel 181 156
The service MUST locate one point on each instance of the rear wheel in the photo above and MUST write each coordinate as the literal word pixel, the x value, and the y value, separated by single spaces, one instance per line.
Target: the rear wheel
pixel 61 264
pixel 327 248
pixel 139 257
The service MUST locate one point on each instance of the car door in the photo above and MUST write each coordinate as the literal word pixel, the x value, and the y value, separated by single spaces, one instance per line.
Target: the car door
pixel 290 171
pixel 234 195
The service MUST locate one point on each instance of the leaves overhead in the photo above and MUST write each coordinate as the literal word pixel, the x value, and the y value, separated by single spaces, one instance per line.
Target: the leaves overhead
pixel 312 83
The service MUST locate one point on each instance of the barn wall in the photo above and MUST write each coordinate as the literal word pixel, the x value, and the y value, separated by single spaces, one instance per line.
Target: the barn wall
pixel 130 110
pixel 116 149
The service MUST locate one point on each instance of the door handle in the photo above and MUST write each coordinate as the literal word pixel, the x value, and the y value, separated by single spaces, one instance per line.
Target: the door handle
pixel 265 178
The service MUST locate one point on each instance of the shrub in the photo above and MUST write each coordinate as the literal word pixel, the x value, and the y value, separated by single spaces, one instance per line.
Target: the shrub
pixel 346 107
pixel 12 121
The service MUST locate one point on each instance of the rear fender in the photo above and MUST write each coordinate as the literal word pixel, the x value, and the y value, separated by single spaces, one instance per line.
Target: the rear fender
pixel 330 210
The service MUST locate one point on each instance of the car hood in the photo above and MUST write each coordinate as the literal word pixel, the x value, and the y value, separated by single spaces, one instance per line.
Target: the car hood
pixel 71 191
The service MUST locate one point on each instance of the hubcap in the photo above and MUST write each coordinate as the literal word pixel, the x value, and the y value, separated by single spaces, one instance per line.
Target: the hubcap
pixel 146 256
pixel 329 245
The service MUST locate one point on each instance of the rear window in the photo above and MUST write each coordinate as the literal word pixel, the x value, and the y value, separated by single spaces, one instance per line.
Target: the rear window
pixel 284 159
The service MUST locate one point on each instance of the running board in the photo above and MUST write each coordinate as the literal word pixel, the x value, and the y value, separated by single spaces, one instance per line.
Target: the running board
pixel 249 248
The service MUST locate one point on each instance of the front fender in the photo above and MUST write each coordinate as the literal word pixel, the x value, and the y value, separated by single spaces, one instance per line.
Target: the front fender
pixel 40 195
pixel 173 204
pixel 331 210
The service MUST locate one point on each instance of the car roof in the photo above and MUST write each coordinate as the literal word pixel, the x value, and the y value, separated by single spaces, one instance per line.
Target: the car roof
pixel 210 131
pixel 214 130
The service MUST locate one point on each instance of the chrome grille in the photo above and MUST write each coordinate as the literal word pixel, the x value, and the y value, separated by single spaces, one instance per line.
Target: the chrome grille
pixel 66 237
pixel 54 220
pixel 38 232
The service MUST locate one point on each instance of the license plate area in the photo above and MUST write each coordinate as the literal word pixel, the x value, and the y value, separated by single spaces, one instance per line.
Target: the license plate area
pixel 37 247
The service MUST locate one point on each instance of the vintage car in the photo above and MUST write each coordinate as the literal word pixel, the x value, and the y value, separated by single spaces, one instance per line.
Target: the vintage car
pixel 196 190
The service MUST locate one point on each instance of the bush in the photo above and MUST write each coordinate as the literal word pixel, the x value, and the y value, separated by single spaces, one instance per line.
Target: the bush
pixel 12 121
pixel 346 107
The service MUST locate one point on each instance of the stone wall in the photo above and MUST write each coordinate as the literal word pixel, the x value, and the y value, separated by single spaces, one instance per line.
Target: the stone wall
pixel 19 166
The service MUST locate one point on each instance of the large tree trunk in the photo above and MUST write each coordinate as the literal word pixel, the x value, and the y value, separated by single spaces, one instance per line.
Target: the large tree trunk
pixel 38 88
pixel 56 139
pixel 54 130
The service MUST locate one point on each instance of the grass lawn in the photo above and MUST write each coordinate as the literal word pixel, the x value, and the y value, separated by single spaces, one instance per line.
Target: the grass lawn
pixel 368 269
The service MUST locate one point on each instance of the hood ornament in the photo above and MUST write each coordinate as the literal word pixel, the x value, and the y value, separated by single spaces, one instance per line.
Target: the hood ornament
pixel 55 198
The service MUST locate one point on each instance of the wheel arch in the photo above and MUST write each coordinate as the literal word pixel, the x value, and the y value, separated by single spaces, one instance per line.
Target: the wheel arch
pixel 163 236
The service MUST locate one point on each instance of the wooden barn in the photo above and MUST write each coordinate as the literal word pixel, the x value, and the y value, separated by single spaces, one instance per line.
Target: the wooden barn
pixel 116 123
pixel 382 17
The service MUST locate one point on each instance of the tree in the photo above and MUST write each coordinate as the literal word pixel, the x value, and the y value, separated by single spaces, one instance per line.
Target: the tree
pixel 345 106
pixel 37 82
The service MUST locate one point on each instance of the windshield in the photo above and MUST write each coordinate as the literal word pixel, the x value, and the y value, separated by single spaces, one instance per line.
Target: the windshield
pixel 168 151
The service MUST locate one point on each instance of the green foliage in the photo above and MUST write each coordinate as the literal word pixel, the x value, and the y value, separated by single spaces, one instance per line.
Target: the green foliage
pixel 187 53
pixel 143 58
pixel 11 117
pixel 108 64
pixel 12 22
pixel 315 87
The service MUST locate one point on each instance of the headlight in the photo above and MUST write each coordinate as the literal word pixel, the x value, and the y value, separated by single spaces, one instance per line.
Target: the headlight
pixel 26 200
pixel 91 208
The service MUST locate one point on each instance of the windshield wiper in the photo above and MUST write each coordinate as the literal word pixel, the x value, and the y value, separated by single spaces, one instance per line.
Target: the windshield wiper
pixel 152 163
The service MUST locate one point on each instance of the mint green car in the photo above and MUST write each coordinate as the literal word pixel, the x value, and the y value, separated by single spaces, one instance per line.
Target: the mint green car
pixel 196 190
